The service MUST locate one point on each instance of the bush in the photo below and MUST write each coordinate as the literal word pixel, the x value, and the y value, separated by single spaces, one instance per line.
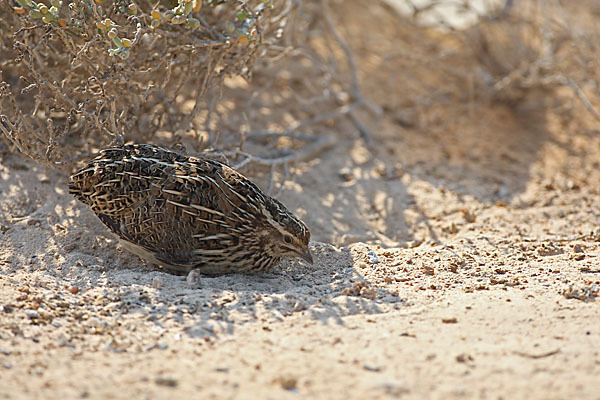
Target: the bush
pixel 84 74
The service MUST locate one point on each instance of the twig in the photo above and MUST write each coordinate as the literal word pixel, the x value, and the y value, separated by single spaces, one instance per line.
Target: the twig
pixel 10 132
pixel 375 109
pixel 356 92
pixel 210 29
pixel 583 98
pixel 84 49
pixel 138 32
pixel 341 111
pixel 319 144
pixel 293 135
pixel 286 175
pixel 362 130
pixel 538 356
pixel 271 179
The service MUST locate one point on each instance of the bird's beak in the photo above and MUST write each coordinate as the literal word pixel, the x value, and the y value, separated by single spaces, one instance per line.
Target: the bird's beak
pixel 306 256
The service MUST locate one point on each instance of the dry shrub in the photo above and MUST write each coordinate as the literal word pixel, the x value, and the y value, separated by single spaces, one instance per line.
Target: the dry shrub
pixel 90 74
pixel 64 96
pixel 81 75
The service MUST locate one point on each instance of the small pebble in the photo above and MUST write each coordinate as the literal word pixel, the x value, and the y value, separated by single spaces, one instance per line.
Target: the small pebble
pixel 373 257
pixel 288 382
pixel 32 314
pixel 463 358
pixel 299 306
pixel 62 339
pixel 165 381
pixel 346 174
pixel 157 282
pixel 162 346
pixel 208 326
pixel 73 289
pixel 372 368
pixel 193 278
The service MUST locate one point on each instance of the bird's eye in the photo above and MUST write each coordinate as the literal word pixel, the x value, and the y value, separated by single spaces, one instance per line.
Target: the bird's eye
pixel 287 239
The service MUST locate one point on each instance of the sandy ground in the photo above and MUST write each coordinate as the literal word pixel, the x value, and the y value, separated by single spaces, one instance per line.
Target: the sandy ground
pixel 459 260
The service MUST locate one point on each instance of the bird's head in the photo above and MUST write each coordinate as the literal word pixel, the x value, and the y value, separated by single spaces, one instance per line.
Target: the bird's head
pixel 289 236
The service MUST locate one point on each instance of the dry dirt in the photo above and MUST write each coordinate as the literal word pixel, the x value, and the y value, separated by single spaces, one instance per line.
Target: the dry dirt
pixel 457 260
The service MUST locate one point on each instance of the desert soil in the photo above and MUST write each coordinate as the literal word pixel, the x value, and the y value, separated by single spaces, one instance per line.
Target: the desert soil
pixel 457 259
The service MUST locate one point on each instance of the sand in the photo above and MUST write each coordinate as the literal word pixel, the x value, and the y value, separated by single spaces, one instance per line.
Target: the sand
pixel 456 261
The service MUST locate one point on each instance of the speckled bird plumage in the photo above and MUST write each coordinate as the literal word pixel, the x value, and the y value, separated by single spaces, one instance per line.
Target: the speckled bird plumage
pixel 187 212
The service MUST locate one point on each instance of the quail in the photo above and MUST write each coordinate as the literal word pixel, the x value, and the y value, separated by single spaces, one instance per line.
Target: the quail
pixel 185 213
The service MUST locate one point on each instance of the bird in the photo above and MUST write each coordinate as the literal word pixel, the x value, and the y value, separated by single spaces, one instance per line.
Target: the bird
pixel 185 213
